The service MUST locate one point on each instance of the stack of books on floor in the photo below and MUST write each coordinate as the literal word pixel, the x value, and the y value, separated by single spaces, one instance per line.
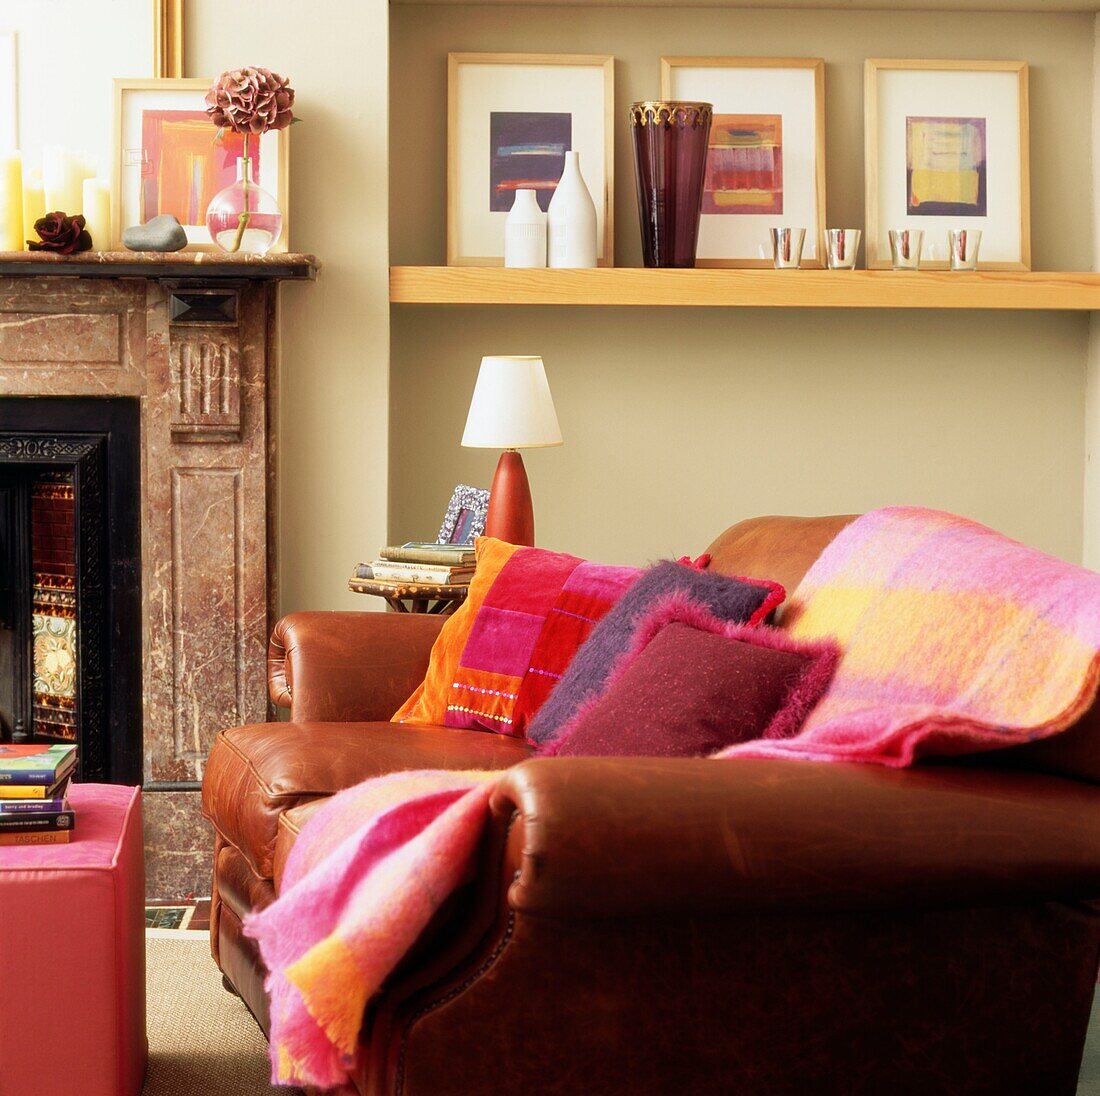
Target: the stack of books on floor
pixel 422 561
pixel 33 782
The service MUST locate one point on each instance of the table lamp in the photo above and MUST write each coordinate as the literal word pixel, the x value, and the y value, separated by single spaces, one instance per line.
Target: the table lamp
pixel 511 409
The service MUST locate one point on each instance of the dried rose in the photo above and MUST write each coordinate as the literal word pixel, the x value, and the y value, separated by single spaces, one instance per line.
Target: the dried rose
pixel 62 234
pixel 250 100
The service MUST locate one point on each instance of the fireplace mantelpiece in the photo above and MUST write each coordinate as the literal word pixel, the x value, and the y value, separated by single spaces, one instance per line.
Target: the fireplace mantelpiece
pixel 192 337
pixel 159 265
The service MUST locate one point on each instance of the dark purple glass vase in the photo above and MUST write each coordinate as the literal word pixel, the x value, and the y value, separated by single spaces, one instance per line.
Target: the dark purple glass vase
pixel 670 163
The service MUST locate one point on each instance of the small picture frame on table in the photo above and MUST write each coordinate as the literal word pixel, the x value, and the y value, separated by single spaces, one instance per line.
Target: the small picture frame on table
pixel 766 154
pixel 946 147
pixel 465 516
pixel 511 118
pixel 169 159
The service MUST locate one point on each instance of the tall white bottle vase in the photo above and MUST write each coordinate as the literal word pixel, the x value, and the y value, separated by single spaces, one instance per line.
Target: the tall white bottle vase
pixel 572 219
pixel 525 232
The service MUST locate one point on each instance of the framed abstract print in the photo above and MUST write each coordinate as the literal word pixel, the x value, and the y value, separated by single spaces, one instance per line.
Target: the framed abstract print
pixel 168 159
pixel 946 147
pixel 766 155
pixel 511 118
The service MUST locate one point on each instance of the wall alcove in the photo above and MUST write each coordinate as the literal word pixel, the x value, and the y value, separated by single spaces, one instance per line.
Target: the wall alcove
pixel 808 395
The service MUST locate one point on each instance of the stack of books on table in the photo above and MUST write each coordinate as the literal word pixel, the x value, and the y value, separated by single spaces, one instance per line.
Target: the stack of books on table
pixel 422 561
pixel 33 781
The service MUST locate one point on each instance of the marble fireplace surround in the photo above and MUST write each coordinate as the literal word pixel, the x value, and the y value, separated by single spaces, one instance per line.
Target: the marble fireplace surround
pixel 193 338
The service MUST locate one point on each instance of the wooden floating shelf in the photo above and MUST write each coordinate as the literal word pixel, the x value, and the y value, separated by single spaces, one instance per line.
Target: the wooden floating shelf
pixel 631 286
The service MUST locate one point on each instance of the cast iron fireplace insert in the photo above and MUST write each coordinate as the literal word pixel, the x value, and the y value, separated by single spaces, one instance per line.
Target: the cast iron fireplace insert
pixel 70 579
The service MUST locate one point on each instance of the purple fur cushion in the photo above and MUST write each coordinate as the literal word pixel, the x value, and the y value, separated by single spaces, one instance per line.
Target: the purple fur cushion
pixel 735 600
pixel 693 685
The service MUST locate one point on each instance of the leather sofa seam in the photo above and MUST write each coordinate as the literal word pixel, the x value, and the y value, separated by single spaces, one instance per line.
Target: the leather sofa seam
pixel 475 975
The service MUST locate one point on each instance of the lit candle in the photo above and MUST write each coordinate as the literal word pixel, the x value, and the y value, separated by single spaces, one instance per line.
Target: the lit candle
pixel 62 178
pixel 97 213
pixel 34 204
pixel 11 202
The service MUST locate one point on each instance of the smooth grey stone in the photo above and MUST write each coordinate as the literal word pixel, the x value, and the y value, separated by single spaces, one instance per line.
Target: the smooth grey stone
pixel 163 233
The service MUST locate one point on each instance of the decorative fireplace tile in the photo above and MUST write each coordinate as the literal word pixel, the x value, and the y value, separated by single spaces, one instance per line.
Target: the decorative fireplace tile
pixel 54 656
pixel 53 619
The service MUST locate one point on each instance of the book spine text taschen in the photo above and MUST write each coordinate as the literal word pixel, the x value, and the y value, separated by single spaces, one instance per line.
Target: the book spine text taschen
pixel 46 837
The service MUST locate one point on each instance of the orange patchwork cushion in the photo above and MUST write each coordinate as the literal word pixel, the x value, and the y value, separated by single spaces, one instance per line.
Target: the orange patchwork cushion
pixel 499 656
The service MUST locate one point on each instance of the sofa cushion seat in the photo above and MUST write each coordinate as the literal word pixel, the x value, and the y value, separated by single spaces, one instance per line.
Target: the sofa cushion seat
pixel 256 773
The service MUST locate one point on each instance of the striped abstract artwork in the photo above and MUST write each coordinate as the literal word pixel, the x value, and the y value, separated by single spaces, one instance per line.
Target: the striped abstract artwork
pixel 527 151
pixel 744 164
pixel 183 166
pixel 945 167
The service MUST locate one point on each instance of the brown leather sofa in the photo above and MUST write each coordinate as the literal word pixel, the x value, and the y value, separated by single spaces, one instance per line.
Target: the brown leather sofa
pixel 683 926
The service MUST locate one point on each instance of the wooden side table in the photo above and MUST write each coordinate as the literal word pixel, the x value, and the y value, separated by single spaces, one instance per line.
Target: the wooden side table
pixel 413 597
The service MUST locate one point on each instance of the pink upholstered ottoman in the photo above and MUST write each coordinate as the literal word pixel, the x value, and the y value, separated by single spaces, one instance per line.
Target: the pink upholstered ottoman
pixel 72 954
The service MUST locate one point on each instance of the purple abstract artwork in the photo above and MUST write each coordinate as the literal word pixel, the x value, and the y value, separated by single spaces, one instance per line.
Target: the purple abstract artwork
pixel 526 151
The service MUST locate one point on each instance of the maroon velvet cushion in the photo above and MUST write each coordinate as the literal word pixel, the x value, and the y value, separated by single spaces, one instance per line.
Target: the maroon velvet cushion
pixel 691 691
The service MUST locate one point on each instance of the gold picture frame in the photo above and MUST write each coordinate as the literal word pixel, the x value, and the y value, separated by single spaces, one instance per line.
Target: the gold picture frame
pixel 745 239
pixel 168 39
pixel 890 183
pixel 187 95
pixel 472 231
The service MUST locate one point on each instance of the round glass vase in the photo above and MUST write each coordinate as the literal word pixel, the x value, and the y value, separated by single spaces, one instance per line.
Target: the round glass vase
pixel 244 218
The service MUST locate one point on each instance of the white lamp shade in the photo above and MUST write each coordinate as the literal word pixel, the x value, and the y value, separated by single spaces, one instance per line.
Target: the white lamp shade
pixel 512 407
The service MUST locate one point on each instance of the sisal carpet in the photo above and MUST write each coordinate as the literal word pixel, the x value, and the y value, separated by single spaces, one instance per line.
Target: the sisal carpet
pixel 201 1038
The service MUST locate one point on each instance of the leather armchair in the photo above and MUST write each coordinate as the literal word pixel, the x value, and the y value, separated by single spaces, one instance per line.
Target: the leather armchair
pixel 659 926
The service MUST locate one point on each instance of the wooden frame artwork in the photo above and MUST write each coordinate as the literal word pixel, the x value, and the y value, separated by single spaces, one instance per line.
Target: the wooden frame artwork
pixel 510 119
pixel 766 161
pixel 168 116
pixel 946 146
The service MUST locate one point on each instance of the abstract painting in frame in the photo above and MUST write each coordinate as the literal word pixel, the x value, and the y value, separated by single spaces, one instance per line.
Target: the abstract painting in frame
pixel 167 158
pixel 947 147
pixel 511 120
pixel 766 154
pixel 526 151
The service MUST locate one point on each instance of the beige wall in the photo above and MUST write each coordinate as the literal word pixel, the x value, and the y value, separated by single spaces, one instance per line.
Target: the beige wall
pixel 68 53
pixel 1091 548
pixel 333 376
pixel 678 422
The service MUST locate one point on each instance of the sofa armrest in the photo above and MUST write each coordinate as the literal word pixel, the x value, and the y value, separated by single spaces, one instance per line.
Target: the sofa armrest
pixel 344 667
pixel 627 836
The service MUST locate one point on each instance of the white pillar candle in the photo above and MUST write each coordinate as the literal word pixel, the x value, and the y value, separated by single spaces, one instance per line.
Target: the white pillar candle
pixel 34 204
pixel 62 179
pixel 11 202
pixel 97 213
pixel 88 169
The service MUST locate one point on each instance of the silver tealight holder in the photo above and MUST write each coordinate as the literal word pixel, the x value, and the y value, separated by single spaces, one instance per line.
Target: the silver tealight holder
pixel 841 248
pixel 787 247
pixel 963 245
pixel 905 248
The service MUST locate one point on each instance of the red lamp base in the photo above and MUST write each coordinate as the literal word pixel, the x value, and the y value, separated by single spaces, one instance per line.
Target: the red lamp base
pixel 511 516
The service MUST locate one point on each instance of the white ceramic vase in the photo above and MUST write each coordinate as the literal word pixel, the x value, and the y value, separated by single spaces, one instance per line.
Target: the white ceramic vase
pixel 572 219
pixel 525 232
